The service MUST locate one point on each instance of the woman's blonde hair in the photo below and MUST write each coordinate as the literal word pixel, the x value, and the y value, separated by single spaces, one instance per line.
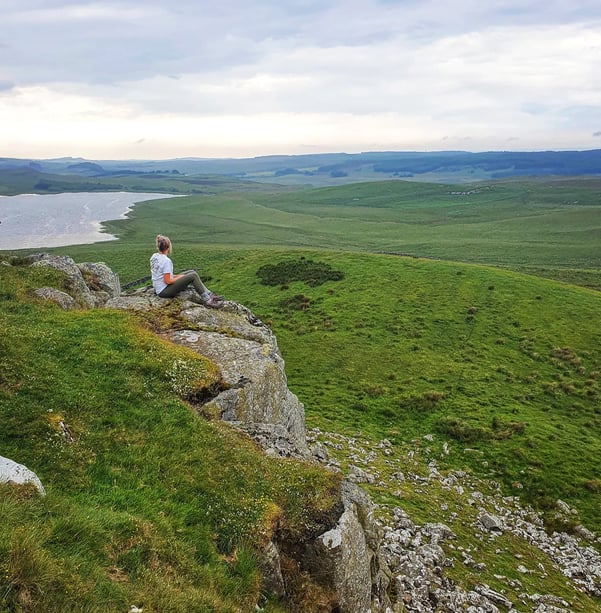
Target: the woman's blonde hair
pixel 163 244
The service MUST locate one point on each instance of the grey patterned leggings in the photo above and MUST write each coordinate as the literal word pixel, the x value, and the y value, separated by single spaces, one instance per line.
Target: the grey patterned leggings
pixel 189 277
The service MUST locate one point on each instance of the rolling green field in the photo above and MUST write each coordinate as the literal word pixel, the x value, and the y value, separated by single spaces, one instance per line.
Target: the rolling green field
pixel 452 340
pixel 488 358
pixel 549 227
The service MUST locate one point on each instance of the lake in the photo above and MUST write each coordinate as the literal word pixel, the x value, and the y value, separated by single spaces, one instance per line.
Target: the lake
pixel 54 220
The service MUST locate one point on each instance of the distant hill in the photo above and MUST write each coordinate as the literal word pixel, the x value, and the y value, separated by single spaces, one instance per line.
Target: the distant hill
pixel 336 168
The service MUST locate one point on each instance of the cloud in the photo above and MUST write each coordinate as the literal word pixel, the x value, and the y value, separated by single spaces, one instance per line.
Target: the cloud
pixel 597 133
pixel 394 72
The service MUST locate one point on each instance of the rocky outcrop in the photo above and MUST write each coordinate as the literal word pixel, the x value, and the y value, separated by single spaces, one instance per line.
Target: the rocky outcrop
pixel 257 395
pixel 347 558
pixel 89 284
pixel 12 472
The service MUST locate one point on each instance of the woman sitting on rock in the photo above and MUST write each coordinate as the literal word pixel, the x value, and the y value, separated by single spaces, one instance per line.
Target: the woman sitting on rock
pixel 168 285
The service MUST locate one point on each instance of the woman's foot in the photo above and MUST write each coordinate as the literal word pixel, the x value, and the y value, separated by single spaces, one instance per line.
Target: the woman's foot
pixel 214 301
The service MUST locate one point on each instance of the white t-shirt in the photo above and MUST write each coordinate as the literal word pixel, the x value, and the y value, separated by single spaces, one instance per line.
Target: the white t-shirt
pixel 159 265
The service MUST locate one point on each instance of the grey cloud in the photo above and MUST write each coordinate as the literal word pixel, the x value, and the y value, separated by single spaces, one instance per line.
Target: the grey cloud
pixel 598 133
pixel 93 42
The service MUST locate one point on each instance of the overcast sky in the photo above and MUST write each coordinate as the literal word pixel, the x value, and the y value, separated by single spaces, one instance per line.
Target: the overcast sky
pixel 236 78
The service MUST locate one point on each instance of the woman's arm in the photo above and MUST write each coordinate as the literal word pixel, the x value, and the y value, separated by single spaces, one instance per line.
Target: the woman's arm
pixel 170 278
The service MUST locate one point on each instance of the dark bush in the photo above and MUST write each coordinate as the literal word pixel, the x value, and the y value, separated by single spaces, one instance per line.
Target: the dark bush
pixel 310 272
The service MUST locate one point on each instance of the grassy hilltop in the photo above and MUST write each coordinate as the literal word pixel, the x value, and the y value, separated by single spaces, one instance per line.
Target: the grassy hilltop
pixel 491 360
pixel 146 503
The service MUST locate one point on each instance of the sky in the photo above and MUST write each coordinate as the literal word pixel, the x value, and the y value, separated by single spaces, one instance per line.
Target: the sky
pixel 151 79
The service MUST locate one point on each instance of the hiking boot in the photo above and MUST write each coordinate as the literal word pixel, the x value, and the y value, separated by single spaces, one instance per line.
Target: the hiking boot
pixel 214 301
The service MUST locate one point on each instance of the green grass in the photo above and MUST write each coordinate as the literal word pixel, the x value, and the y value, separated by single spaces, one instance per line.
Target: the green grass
pixel 550 226
pixel 494 360
pixel 147 503
pixel 412 345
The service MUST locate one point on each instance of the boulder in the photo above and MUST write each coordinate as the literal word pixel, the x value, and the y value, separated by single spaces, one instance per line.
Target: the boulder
pixel 75 284
pixel 12 472
pixel 490 522
pixel 100 279
pixel 89 284
pixel 52 294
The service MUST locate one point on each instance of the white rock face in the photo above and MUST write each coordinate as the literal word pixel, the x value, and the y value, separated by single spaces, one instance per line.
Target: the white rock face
pixel 12 472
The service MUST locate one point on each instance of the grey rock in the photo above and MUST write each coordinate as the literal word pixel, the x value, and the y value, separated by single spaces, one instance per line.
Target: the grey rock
pixel 12 472
pixel 358 475
pixel 76 286
pixel 101 280
pixel 585 533
pixel 254 371
pixel 346 556
pixel 437 532
pixel 495 597
pixel 137 302
pixel 272 578
pixel 490 522
pixel 63 300
pixel 320 452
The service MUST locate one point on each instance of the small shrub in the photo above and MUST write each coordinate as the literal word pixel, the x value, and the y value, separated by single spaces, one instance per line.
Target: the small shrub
pixel 593 485
pixel 565 354
pixel 375 390
pixel 432 397
pixel 462 431
pixel 299 302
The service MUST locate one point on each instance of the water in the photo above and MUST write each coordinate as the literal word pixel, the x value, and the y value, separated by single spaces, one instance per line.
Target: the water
pixel 54 220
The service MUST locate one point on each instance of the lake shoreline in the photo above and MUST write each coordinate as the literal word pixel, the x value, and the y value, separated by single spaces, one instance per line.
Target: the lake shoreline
pixel 32 221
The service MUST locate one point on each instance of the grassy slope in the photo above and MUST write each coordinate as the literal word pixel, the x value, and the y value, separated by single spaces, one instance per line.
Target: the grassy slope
pixel 147 504
pixel 394 350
